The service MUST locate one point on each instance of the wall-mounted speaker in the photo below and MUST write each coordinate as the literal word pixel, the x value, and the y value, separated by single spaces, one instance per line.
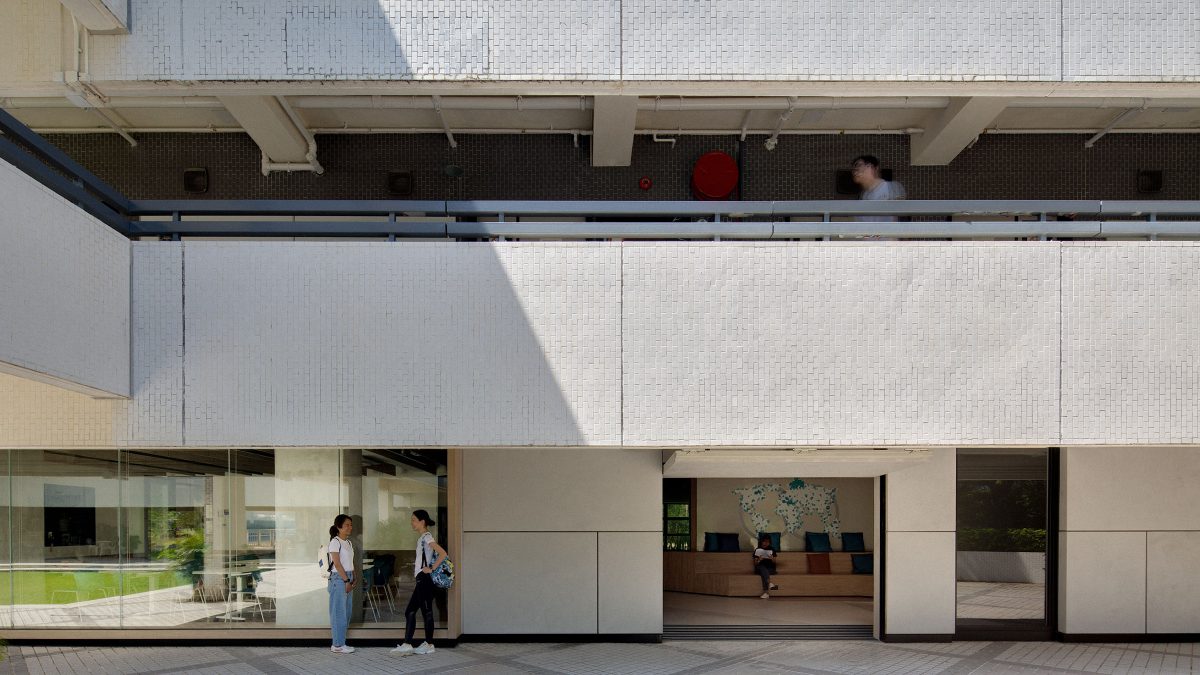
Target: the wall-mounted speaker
pixel 195 181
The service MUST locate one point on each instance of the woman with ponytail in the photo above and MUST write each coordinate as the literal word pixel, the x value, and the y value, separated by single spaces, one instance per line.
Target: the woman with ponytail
pixel 428 556
pixel 342 581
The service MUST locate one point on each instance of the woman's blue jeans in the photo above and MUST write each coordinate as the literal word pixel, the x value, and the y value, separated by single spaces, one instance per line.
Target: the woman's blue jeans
pixel 339 608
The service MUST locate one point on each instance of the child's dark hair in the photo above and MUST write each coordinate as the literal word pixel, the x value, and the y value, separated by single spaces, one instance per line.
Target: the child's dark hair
pixel 337 525
pixel 764 539
pixel 422 514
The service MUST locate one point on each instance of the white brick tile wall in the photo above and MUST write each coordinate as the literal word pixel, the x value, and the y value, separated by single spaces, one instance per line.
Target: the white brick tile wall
pixel 364 40
pixel 154 416
pixel 859 344
pixel 36 415
pixel 1152 40
pixel 64 288
pixel 413 344
pixel 902 40
pixel 698 344
pixel 1131 343
pixel 845 40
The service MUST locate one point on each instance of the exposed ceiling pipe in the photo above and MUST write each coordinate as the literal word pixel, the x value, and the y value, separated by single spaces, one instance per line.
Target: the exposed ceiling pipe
pixel 773 140
pixel 84 95
pixel 1128 114
pixel 515 103
pixel 437 102
pixel 311 154
pixel 680 104
pixel 494 131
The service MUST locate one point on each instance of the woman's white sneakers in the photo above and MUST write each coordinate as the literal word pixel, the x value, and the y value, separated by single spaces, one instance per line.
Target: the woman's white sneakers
pixel 406 649
pixel 344 649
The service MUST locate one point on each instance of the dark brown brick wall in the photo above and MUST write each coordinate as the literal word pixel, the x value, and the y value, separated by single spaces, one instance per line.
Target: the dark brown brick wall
pixel 550 167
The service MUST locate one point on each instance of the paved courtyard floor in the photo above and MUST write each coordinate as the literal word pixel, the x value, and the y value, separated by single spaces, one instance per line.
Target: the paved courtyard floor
pixel 672 657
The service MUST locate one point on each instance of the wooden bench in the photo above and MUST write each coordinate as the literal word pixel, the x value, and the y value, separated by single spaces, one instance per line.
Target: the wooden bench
pixel 732 574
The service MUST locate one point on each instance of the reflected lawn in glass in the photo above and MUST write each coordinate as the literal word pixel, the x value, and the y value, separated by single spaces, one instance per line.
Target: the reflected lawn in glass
pixel 34 587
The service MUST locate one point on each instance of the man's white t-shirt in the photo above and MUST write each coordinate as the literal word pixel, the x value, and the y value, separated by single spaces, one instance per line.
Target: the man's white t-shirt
pixel 345 552
pixel 430 556
pixel 886 189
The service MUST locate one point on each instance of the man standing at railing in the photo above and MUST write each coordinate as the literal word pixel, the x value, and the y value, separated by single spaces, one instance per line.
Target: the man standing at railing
pixel 865 170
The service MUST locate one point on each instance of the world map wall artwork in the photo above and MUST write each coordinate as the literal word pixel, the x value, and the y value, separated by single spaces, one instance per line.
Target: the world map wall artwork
pixel 769 507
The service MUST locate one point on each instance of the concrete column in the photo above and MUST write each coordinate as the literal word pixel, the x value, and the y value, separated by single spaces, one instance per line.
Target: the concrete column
pixel 920 536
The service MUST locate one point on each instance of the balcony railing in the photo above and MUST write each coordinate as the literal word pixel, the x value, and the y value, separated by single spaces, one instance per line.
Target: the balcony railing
pixel 604 220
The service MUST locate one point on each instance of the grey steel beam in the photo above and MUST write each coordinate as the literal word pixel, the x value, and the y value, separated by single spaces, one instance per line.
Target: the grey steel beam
pixel 277 228
pixel 935 207
pixel 286 207
pixel 1149 206
pixel 938 230
pixel 58 159
pixel 605 208
pixel 65 188
pixel 609 230
pixel 1156 228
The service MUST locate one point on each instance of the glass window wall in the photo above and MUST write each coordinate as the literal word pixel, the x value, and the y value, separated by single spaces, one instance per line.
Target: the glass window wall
pixel 207 539
pixel 1003 538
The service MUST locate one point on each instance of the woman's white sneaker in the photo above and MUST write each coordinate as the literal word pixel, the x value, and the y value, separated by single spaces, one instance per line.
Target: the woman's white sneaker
pixel 425 648
pixel 344 649
pixel 403 649
pixel 764 596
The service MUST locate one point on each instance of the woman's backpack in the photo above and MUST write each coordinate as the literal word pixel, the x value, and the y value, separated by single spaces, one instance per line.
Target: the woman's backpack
pixel 323 562
pixel 443 575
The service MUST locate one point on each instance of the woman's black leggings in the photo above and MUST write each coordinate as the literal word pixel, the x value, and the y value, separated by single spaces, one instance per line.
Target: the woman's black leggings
pixel 422 598
pixel 765 569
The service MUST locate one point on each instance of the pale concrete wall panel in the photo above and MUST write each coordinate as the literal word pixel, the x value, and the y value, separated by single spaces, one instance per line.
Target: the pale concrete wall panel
pixel 1172 592
pixel 64 288
pixel 556 489
pixel 920 583
pixel 1103 582
pixel 922 498
pixel 630 582
pixel 503 573
pixel 1150 488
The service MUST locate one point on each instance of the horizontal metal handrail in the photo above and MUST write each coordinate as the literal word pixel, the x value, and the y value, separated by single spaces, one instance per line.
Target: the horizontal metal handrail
pixel 649 210
pixel 684 230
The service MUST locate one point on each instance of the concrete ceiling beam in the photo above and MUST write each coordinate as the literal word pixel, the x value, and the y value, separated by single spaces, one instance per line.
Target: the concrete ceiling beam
pixel 614 120
pixel 285 143
pixel 951 130
pixel 99 16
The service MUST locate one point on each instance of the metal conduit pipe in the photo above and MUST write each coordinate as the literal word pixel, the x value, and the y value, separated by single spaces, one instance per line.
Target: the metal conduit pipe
pixel 678 104
pixel 446 102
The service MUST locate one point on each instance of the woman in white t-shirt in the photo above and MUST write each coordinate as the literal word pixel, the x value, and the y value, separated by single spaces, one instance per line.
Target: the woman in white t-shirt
pixel 342 581
pixel 427 558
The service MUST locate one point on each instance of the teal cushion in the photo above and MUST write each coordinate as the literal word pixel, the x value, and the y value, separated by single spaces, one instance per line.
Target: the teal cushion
pixel 711 542
pixel 863 563
pixel 817 542
pixel 774 539
pixel 853 541
pixel 728 542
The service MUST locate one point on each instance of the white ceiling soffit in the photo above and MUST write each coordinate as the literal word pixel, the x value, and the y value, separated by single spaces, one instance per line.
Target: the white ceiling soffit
pixel 807 462
pixel 574 115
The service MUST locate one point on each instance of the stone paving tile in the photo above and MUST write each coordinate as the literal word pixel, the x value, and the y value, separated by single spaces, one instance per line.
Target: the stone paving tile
pixel 685 657
pixel 372 660
pixel 616 658
pixel 858 658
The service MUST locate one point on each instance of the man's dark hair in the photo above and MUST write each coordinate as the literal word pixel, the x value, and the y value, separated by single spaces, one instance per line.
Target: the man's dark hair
pixel 866 159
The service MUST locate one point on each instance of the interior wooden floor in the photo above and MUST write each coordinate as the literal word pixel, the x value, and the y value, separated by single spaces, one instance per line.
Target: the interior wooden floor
pixel 690 609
